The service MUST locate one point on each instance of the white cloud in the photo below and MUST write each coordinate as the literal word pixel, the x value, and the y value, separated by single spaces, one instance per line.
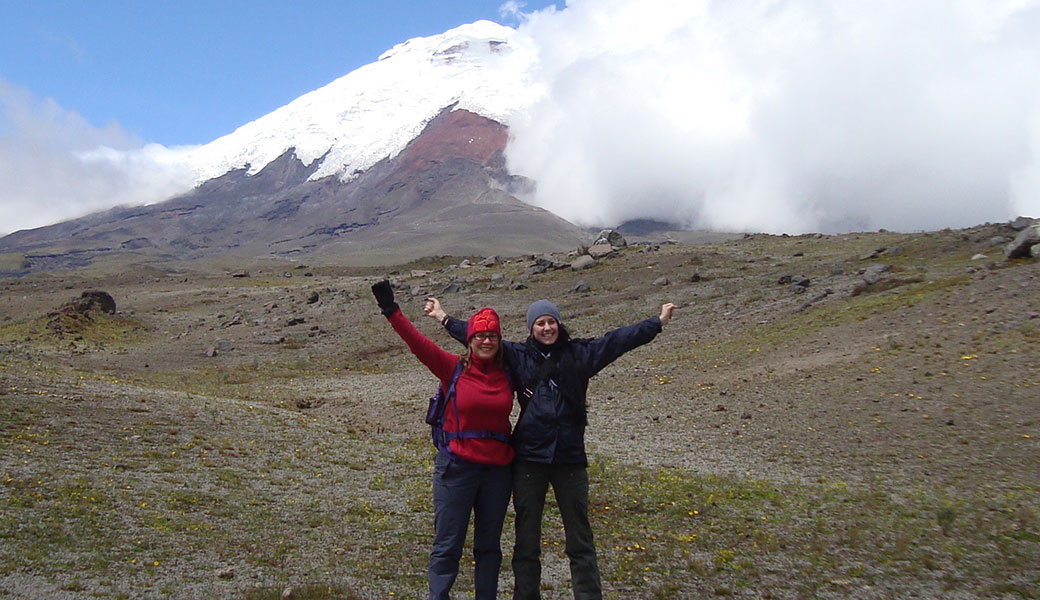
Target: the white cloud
pixel 794 115
pixel 54 165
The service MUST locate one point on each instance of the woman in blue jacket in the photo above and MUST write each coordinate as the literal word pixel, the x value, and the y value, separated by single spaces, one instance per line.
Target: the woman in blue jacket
pixel 551 372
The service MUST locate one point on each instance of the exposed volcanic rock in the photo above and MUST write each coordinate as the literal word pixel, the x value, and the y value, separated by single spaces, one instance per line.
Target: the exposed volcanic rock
pixel 455 134
pixel 444 193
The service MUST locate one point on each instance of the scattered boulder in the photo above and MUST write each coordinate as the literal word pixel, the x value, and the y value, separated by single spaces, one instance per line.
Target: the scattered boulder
pixel 550 262
pixel 491 261
pixel 1022 223
pixel 224 345
pixel 817 298
pixel 872 254
pixel 313 298
pixel 601 250
pixel 295 321
pixel 611 237
pixel 240 274
pixel 452 288
pixel 94 299
pixel 873 273
pixel 272 339
pixel 582 262
pixel 581 287
pixel 661 281
pixel 465 264
pixel 1023 243
pixel 76 315
pixel 211 351
pixel 235 320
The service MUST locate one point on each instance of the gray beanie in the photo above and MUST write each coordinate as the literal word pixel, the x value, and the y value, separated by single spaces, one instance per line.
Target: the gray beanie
pixel 541 308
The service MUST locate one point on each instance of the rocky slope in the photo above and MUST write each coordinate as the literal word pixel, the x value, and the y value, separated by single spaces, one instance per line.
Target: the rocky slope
pixel 848 416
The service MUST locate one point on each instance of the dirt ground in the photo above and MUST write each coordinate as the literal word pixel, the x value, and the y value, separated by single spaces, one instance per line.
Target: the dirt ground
pixel 233 434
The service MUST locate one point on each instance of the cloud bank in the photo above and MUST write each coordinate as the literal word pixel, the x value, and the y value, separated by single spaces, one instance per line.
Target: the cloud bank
pixel 785 115
pixel 54 165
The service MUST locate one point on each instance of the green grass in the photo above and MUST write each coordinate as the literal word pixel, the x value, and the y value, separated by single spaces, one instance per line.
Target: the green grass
pixel 793 327
pixel 676 530
pixel 12 261
pixel 663 531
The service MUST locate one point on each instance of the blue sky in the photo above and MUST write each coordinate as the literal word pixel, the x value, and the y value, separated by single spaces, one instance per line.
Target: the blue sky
pixel 188 71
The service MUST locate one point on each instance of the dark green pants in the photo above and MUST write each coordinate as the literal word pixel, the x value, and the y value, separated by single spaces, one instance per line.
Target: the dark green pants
pixel 570 485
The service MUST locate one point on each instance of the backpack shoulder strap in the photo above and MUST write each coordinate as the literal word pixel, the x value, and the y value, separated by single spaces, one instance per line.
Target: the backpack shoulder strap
pixel 454 380
pixel 447 436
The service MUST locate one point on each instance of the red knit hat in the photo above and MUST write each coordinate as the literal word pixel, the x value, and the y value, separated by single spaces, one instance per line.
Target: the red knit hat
pixel 484 320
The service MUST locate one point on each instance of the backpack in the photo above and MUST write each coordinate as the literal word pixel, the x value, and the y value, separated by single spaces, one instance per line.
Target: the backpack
pixel 435 418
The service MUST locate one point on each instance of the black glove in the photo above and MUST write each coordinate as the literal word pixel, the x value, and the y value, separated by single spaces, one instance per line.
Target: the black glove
pixel 385 297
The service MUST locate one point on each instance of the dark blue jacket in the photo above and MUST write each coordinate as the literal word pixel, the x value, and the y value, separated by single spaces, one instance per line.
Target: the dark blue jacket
pixel 551 427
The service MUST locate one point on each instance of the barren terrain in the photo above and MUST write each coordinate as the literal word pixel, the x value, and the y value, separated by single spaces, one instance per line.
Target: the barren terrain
pixel 848 416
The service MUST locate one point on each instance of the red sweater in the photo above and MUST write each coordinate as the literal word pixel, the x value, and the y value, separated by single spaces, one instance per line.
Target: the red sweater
pixel 482 393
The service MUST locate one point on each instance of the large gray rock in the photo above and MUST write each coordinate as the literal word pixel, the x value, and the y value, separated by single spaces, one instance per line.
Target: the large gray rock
pixel 1022 223
pixel 1023 242
pixel 582 262
pixel 874 273
pixel 601 250
pixel 612 237
pixel 94 299
pixel 550 262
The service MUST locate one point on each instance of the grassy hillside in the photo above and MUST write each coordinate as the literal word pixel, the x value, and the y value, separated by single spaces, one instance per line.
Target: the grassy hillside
pixel 870 433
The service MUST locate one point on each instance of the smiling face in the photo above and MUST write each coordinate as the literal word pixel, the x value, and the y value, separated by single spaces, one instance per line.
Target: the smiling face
pixel 545 330
pixel 483 346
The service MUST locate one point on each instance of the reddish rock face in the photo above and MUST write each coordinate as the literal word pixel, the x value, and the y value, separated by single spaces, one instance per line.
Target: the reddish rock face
pixel 455 134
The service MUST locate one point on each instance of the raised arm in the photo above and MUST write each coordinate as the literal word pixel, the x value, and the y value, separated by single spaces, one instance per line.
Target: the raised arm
pixel 604 350
pixel 440 362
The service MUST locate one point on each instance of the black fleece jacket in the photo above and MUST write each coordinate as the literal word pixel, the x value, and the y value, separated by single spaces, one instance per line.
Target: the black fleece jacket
pixel 551 427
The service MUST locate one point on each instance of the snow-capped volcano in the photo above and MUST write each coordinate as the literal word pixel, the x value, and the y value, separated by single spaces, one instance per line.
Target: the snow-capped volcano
pixel 400 159
pixel 371 113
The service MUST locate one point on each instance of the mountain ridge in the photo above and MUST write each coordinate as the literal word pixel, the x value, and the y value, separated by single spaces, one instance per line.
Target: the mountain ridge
pixel 446 192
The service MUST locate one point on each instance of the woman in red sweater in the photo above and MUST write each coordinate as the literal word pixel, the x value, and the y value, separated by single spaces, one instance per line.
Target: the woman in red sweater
pixel 471 474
